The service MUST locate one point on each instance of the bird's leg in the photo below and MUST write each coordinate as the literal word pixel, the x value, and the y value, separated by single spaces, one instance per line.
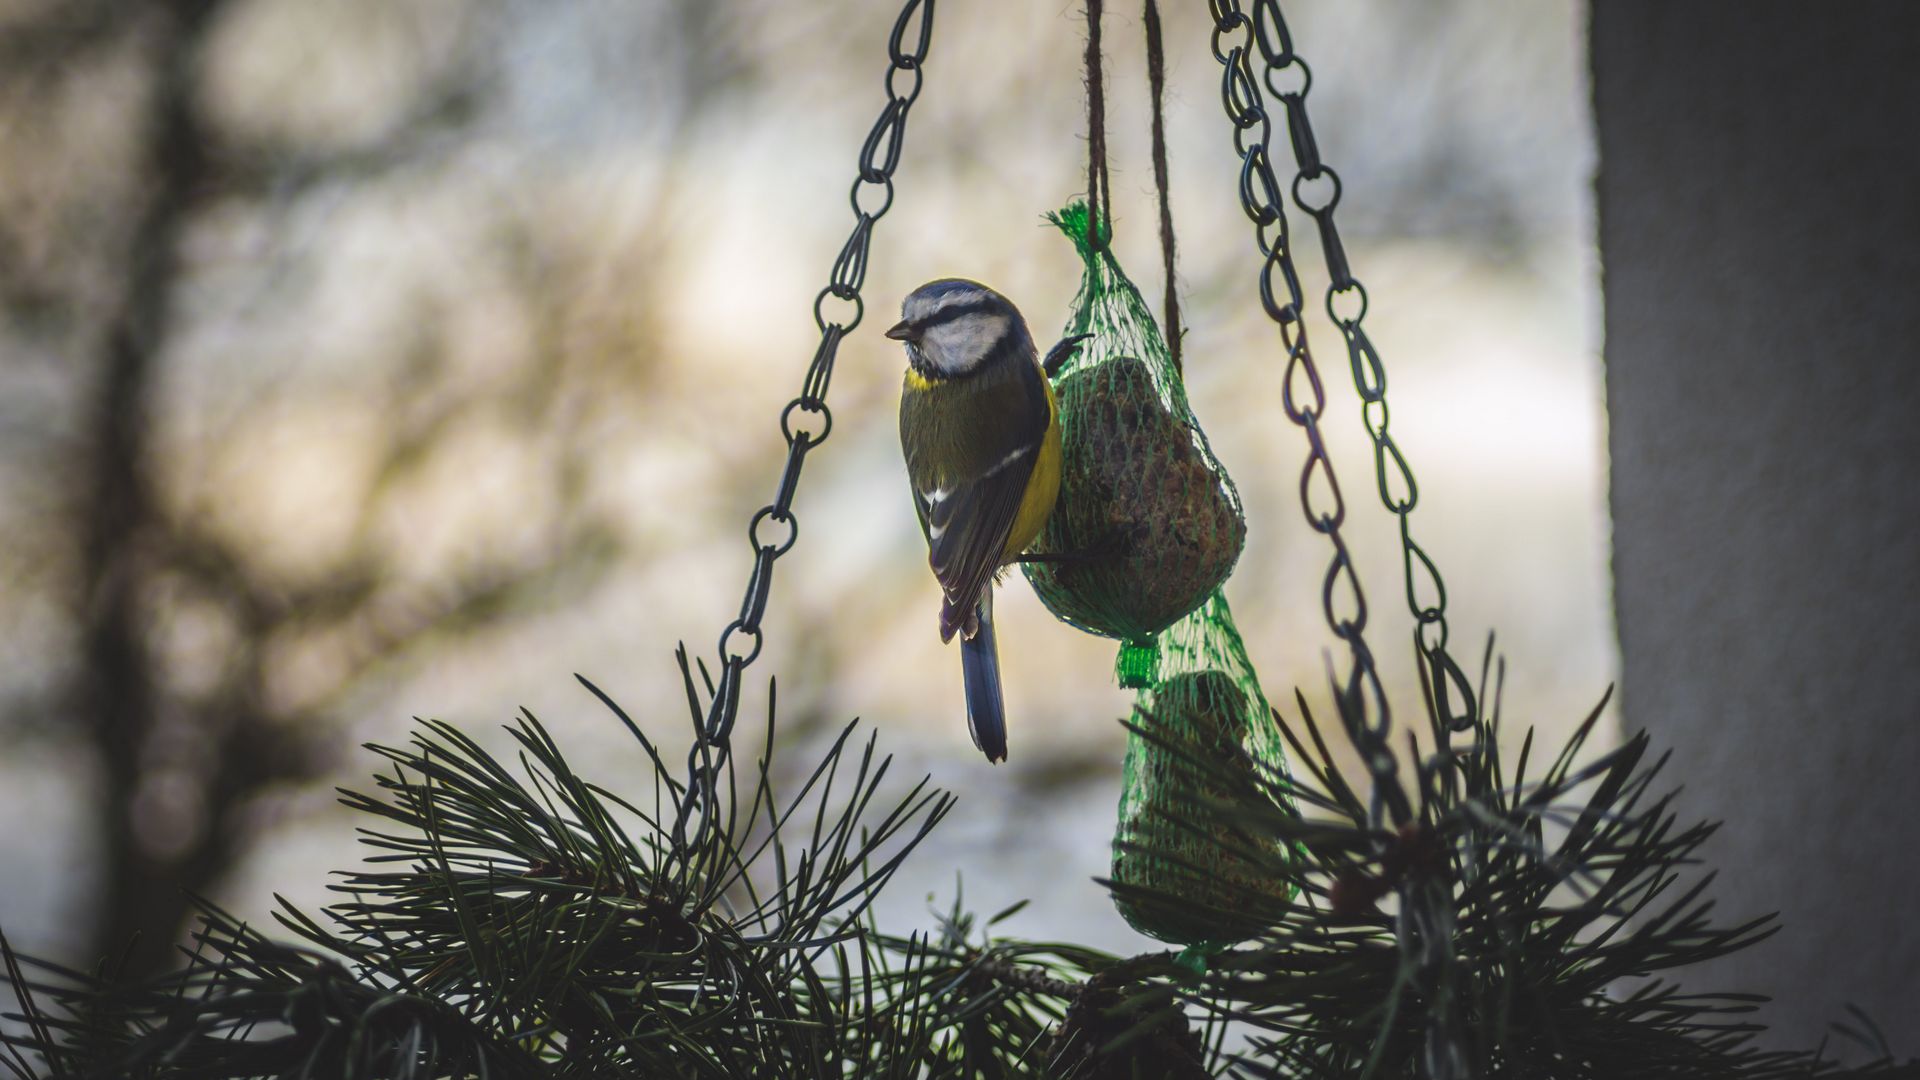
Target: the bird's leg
pixel 1110 547
pixel 1055 556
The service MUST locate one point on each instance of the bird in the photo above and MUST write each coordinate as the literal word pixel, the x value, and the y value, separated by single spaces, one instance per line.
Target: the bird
pixel 980 431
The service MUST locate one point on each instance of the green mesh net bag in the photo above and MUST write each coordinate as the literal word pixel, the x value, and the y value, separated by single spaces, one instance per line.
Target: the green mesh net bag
pixel 1146 511
pixel 1202 736
pixel 1153 527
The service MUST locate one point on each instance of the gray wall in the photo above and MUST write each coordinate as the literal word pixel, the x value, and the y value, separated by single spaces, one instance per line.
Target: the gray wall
pixel 1759 206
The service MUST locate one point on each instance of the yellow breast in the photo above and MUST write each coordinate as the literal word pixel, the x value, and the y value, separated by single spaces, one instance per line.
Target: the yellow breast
pixel 1043 486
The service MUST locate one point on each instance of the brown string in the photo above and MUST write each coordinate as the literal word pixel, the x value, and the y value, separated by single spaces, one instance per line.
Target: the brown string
pixel 1099 191
pixel 1157 82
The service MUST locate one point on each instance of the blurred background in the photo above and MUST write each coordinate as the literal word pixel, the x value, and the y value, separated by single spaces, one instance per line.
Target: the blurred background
pixel 389 358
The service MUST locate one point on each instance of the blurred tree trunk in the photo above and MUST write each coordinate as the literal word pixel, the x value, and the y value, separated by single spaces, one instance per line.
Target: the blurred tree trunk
pixel 141 903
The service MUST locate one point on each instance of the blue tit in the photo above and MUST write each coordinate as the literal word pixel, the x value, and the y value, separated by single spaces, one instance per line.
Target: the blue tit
pixel 981 433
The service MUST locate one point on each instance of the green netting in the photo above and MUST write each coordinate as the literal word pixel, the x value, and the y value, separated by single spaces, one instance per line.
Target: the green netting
pixel 1145 509
pixel 1203 734
pixel 1154 527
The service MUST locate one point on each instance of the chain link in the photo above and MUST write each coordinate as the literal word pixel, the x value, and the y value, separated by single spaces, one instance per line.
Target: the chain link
pixel 806 421
pixel 1316 191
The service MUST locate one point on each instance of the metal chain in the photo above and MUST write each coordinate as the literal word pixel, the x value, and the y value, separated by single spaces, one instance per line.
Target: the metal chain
pixel 806 421
pixel 1316 191
pixel 1360 694
pixel 1424 924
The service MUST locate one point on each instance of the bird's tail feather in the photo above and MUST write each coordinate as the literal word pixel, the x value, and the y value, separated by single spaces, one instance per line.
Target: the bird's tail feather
pixel 980 670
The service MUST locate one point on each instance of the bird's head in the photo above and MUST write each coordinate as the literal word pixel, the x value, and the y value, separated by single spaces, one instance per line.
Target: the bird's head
pixel 954 328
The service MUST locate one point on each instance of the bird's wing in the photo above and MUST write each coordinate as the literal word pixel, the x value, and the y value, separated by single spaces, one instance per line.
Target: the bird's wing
pixel 969 499
pixel 967 527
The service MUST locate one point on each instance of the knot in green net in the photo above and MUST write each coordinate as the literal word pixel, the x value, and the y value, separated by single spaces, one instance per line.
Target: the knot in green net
pixel 1146 511
pixel 1138 665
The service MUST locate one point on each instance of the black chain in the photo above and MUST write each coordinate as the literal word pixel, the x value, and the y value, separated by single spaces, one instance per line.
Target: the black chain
pixel 806 421
pixel 1360 694
pixel 1425 922
pixel 1316 190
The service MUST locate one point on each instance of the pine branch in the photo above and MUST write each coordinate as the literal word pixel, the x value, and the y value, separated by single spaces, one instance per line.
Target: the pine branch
pixel 1538 934
pixel 521 919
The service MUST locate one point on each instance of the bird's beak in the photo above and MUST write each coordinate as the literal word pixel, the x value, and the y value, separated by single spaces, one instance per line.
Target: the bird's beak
pixel 900 331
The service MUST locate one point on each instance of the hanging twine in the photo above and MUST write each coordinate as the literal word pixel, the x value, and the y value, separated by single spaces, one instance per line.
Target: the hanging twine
pixel 1157 84
pixel 1099 189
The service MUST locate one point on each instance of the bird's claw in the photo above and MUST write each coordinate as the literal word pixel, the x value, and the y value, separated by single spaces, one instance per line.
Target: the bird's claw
pixel 1111 546
pixel 1062 351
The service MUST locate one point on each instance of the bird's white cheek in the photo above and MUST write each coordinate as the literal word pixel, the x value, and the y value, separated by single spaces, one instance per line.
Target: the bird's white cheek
pixel 961 344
